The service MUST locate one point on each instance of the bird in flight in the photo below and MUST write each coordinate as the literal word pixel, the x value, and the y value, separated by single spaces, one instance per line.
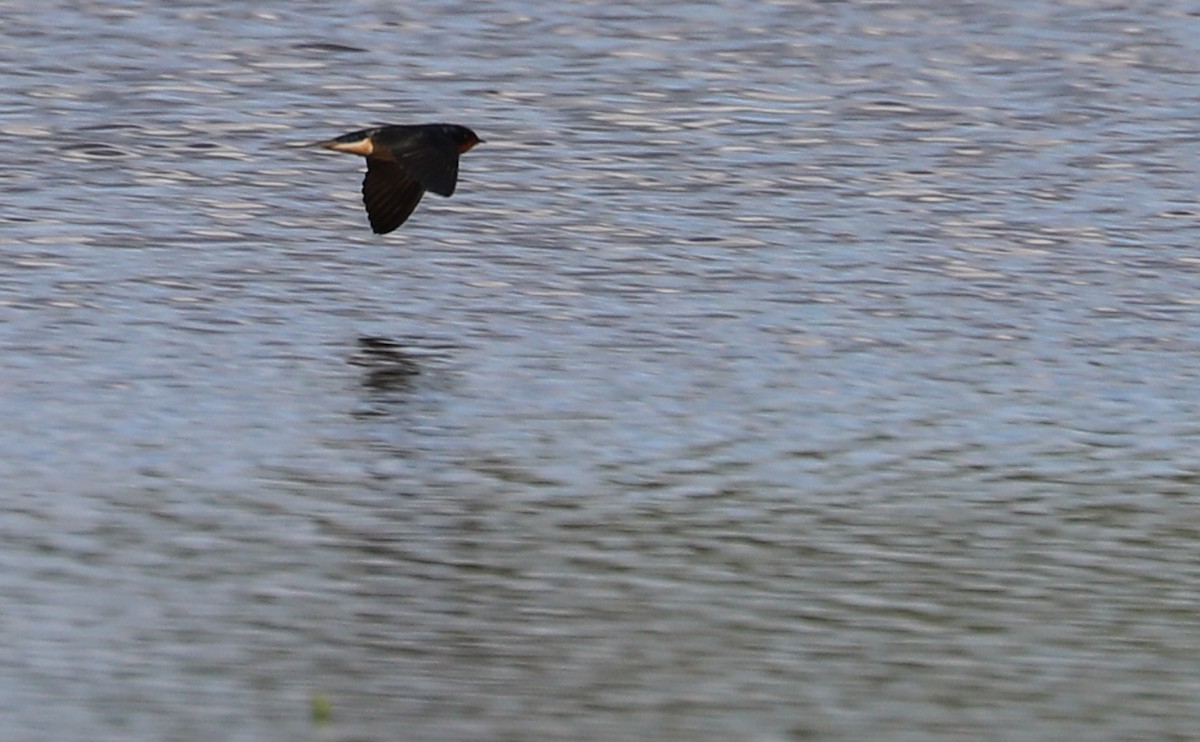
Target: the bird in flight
pixel 402 163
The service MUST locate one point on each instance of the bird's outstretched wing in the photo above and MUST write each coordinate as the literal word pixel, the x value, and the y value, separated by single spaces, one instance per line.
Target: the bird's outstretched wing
pixel 390 195
pixel 431 159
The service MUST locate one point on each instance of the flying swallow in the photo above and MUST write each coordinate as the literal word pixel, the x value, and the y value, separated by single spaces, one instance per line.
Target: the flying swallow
pixel 402 163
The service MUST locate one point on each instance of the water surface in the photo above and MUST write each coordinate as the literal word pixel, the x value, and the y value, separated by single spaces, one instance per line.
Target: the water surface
pixel 778 371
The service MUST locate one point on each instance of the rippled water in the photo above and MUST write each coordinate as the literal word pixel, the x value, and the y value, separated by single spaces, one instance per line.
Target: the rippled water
pixel 779 371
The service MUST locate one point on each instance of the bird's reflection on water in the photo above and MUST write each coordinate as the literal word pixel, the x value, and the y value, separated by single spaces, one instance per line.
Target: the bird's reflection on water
pixel 389 363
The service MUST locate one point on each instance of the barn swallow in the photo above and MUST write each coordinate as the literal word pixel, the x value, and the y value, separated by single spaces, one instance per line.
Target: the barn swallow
pixel 402 163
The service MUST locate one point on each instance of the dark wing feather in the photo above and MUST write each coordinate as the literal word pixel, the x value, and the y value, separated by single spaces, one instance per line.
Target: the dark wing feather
pixel 389 194
pixel 432 159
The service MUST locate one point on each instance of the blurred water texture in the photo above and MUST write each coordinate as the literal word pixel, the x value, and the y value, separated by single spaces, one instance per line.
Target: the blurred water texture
pixel 779 371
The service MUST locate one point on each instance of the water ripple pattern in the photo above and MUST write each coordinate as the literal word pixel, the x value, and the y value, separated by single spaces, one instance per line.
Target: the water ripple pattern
pixel 778 371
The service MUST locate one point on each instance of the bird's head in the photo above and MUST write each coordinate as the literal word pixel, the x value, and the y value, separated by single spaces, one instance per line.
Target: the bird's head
pixel 463 137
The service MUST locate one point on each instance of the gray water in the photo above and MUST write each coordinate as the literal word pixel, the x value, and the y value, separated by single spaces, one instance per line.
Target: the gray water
pixel 779 371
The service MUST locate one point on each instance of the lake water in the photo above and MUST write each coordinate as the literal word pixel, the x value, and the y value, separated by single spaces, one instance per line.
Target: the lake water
pixel 779 371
